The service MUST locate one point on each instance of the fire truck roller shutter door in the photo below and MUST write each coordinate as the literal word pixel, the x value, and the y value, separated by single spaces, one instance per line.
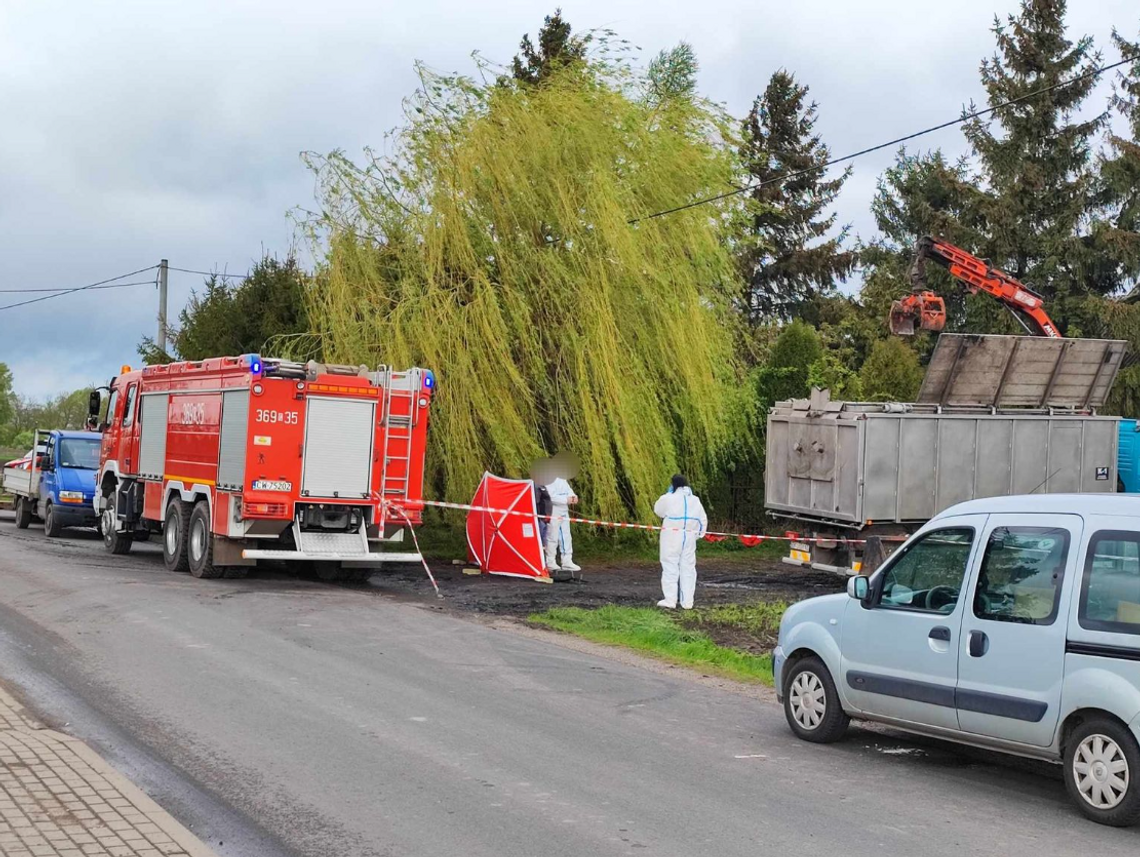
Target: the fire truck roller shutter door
pixel 152 442
pixel 234 434
pixel 338 448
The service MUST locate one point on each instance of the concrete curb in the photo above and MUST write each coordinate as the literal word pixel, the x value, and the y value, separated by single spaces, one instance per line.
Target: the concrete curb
pixel 141 800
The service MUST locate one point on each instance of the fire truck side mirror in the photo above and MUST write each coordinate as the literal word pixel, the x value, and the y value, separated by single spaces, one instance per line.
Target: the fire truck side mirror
pixel 94 402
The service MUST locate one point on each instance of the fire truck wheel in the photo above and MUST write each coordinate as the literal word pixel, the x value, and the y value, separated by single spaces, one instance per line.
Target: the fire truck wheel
pixel 304 569
pixel 115 541
pixel 330 572
pixel 23 513
pixel 52 527
pixel 175 535
pixel 200 544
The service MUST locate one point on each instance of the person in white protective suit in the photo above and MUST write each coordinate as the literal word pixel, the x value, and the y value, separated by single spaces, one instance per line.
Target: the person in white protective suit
pixel 558 537
pixel 683 522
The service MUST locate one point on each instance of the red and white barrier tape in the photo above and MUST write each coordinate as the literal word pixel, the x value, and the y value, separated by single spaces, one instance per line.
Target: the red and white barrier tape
pixel 415 540
pixel 748 539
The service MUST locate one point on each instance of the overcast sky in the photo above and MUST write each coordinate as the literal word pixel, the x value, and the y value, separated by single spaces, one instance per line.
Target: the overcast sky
pixel 133 131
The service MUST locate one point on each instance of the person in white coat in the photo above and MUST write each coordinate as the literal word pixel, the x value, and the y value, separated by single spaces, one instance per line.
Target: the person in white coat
pixel 558 537
pixel 683 522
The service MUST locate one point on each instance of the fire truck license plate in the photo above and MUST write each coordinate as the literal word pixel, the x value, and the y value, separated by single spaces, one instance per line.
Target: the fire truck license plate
pixel 266 485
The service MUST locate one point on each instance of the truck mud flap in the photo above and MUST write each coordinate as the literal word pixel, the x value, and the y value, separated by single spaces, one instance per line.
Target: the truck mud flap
pixel 129 502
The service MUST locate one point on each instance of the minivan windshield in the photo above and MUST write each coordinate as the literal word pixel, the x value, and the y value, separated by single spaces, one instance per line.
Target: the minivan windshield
pixel 80 453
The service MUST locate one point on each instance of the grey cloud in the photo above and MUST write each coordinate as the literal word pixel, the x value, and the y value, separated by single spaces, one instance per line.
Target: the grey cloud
pixel 136 130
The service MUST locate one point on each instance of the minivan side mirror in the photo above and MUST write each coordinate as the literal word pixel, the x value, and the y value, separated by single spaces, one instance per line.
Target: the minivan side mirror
pixel 859 587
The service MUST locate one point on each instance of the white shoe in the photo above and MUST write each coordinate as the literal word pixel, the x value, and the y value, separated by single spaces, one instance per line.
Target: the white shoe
pixel 668 605
pixel 553 568
pixel 568 565
pixel 686 606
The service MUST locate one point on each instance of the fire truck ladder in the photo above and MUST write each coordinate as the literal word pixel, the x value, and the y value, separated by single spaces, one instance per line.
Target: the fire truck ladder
pixel 398 418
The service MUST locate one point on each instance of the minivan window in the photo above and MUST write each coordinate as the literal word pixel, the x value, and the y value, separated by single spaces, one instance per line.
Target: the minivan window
pixel 1110 591
pixel 928 575
pixel 1021 575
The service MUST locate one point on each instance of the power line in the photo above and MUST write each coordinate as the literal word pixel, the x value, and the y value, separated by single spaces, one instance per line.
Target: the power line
pixel 91 288
pixel 77 289
pixel 976 114
pixel 211 274
pixel 48 294
pixel 889 144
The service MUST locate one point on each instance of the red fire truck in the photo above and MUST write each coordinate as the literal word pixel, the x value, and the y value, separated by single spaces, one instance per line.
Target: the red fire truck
pixel 239 459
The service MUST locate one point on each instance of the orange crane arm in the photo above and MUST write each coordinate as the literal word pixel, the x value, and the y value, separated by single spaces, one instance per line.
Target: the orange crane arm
pixel 979 276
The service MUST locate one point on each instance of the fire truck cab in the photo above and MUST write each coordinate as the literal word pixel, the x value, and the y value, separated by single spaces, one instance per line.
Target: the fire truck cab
pixel 234 460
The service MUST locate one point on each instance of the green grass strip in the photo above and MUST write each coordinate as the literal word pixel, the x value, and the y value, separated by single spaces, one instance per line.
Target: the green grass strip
pixel 657 632
pixel 761 619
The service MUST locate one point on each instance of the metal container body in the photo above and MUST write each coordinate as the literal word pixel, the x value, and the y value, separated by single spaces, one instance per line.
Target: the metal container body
pixel 855 464
pixel 1128 456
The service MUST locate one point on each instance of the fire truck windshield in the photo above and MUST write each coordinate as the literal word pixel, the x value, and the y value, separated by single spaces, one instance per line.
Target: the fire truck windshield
pixel 81 453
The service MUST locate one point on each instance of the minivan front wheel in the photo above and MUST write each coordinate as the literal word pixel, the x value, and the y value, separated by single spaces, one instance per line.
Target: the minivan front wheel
pixel 1102 763
pixel 811 703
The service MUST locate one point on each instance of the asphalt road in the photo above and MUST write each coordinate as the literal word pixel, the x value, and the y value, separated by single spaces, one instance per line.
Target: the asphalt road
pixel 279 717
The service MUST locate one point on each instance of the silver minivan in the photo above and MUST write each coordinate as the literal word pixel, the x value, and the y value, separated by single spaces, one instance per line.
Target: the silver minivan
pixel 1011 623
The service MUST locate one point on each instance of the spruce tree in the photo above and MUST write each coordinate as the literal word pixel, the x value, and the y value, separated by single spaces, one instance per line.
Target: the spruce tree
pixel 1037 163
pixel 557 46
pixel 926 194
pixel 1119 233
pixel 789 261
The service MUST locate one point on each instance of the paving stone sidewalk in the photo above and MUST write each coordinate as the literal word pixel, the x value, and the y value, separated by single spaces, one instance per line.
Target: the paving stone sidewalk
pixel 58 798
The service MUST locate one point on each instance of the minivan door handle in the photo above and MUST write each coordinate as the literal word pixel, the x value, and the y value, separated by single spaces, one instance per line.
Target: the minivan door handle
pixel 940 632
pixel 979 644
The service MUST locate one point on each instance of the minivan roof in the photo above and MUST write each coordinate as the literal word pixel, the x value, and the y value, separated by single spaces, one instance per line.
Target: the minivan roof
pixel 1127 505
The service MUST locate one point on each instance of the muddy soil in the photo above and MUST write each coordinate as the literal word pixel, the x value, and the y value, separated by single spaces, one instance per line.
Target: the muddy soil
pixel 632 583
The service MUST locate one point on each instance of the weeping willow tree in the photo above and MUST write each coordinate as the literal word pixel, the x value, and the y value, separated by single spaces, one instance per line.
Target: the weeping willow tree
pixel 492 244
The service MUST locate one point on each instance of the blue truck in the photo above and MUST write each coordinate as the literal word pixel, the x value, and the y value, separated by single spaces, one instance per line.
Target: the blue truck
pixel 56 480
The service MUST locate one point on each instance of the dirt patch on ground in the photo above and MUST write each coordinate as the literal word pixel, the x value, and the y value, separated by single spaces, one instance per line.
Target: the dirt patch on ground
pixel 740 639
pixel 633 583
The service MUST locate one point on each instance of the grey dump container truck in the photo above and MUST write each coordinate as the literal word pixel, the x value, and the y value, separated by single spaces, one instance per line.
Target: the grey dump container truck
pixel 996 415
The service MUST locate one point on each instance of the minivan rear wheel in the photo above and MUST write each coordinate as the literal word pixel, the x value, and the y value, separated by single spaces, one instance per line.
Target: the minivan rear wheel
pixel 1102 763
pixel 811 703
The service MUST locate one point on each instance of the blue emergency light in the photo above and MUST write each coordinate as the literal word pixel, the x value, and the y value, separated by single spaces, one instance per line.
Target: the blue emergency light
pixel 429 379
pixel 255 365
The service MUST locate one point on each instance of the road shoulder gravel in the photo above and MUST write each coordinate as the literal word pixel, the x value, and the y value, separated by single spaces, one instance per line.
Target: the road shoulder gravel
pixel 630 657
